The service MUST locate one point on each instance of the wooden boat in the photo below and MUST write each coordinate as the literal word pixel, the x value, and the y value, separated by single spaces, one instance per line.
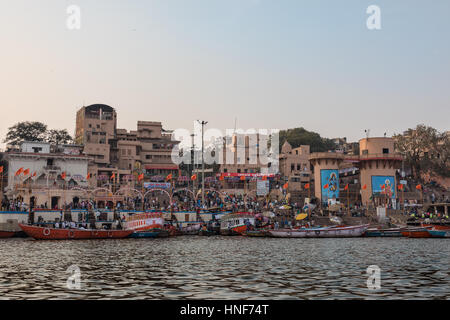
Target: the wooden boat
pixel 325 232
pixel 6 234
pixel 146 221
pixel 439 233
pixel 236 223
pixel 144 234
pixel 416 232
pixel 436 227
pixel 41 233
pixel 191 229
pixel 256 233
pixel 393 232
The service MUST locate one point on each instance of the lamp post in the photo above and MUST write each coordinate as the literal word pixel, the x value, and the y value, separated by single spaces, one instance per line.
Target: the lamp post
pixel 203 123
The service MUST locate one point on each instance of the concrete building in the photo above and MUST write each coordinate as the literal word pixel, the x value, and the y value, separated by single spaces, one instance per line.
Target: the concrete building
pixel 95 127
pixel 295 166
pixel 44 166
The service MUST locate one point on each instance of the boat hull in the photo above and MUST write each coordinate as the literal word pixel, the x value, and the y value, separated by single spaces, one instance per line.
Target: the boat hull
pixel 439 233
pixel 6 234
pixel 383 233
pixel 40 233
pixel 340 232
pixel 144 234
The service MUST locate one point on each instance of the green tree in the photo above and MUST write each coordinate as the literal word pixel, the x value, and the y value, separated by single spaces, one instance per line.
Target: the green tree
pixel 58 137
pixel 25 131
pixel 300 136
pixel 425 150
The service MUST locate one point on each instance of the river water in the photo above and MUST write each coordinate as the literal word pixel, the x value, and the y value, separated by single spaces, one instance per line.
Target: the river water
pixel 194 267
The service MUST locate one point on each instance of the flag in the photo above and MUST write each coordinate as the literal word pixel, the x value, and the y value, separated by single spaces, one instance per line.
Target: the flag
pixel 63 176
pixel 419 187
pixel 346 187
pixel 34 174
pixel 88 176
pixel 286 185
pixel 382 186
pixel 243 178
pixel 326 186
pixel 18 172
pixel 26 172
pixel 364 187
pixel 221 178
pixel 194 177
pixel 307 186
pixel 264 178
pixel 400 187
pixel 141 177
pixel 1 169
pixel 113 176
pixel 169 177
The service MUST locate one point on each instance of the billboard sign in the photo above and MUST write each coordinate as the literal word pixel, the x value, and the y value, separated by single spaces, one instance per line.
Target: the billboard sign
pixel 156 185
pixel 329 181
pixel 383 185
pixel 262 187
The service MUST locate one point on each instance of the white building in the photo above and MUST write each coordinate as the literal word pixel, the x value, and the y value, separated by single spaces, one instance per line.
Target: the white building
pixel 42 167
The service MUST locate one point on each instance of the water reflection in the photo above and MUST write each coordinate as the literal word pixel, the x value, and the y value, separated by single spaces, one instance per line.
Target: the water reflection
pixel 225 268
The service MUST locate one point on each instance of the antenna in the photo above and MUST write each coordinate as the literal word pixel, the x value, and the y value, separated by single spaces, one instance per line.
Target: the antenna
pixel 367 131
pixel 235 124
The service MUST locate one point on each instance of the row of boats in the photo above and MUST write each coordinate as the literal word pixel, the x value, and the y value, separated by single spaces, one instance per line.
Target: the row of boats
pixel 153 224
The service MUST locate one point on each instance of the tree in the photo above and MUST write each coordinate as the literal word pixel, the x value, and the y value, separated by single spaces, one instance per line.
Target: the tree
pixel 300 136
pixel 25 131
pixel 58 137
pixel 425 150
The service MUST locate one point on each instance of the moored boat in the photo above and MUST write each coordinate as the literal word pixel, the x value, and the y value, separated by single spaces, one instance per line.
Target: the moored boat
pixel 42 233
pixel 393 232
pixel 6 234
pixel 236 223
pixel 416 232
pixel 144 234
pixel 256 233
pixel 439 233
pixel 325 232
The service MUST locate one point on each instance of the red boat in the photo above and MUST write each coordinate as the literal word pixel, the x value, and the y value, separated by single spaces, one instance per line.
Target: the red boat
pixel 436 227
pixel 416 232
pixel 6 234
pixel 41 233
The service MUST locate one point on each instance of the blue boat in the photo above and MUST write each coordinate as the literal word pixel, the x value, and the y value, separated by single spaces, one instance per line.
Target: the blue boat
pixel 383 233
pixel 439 233
pixel 144 234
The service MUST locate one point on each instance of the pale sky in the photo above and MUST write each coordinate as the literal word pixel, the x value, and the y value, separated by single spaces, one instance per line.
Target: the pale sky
pixel 268 63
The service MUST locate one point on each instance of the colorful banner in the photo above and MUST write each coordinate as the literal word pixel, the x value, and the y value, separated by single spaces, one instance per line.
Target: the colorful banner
pixel 329 181
pixel 156 185
pixel 382 185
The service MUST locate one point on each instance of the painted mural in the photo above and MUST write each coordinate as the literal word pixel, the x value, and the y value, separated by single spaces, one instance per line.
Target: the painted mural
pixel 329 179
pixel 383 185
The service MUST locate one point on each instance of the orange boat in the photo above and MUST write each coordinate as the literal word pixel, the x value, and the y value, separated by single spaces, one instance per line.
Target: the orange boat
pixel 436 227
pixel 416 232
pixel 6 234
pixel 41 233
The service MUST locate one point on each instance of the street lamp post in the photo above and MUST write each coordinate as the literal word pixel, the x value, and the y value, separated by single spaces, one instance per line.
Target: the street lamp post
pixel 203 123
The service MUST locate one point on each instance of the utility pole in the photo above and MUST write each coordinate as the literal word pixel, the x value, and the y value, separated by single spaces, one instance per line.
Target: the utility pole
pixel 203 123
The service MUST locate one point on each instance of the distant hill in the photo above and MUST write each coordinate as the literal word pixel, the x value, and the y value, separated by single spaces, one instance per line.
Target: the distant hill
pixel 300 136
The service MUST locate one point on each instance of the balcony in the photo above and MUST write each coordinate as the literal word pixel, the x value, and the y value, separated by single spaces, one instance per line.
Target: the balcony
pixel 52 168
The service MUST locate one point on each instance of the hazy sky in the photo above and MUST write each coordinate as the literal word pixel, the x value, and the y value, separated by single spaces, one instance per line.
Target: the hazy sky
pixel 272 64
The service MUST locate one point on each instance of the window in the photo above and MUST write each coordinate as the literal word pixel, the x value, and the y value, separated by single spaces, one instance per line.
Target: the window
pixel 298 167
pixel 49 162
pixel 385 150
pixel 37 149
pixel 365 151
pixel 239 170
pixel 292 167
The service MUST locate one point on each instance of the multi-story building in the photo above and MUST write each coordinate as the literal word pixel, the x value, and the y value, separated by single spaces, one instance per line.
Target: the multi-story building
pixel 121 153
pixel 95 127
pixel 43 174
pixel 295 166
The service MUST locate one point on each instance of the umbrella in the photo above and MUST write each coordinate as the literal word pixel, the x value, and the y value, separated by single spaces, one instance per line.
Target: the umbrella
pixel 301 216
